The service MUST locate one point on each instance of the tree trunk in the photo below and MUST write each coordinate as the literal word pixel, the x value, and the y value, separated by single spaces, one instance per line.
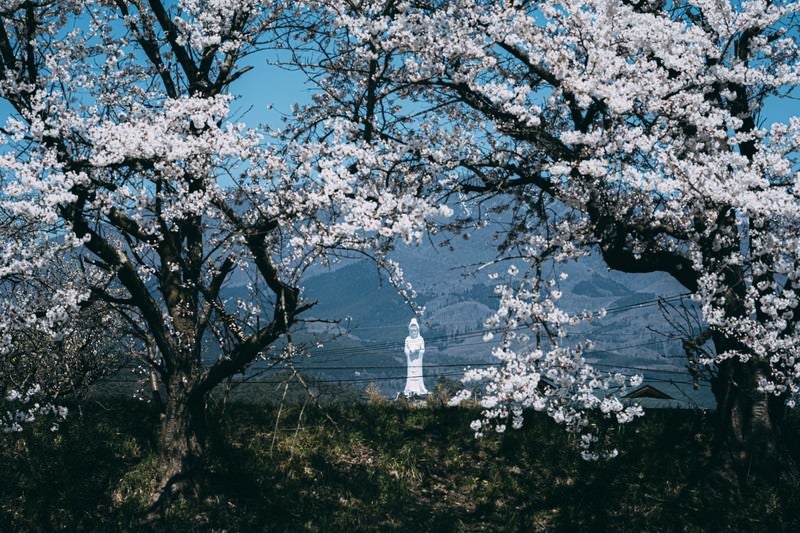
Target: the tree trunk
pixel 747 437
pixel 181 445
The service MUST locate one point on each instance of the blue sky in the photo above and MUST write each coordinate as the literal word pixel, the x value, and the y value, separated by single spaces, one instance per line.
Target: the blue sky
pixel 267 92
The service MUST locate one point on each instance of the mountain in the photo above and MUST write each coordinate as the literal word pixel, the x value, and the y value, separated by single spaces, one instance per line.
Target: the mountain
pixel 634 337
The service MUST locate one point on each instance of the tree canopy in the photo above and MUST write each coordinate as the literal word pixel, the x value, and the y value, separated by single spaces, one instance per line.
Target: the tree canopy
pixel 121 155
pixel 632 130
pixel 628 129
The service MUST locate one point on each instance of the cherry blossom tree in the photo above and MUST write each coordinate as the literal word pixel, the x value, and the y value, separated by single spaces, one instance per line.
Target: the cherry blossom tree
pixel 121 155
pixel 629 129
pixel 40 373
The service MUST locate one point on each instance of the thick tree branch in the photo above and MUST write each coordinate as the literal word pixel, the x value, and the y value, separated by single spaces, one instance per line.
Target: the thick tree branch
pixel 171 31
pixel 149 43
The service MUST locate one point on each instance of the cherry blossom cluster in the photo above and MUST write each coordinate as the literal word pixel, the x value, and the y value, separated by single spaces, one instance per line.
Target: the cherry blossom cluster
pixel 206 23
pixel 642 117
pixel 28 410
pixel 540 369
pixel 122 156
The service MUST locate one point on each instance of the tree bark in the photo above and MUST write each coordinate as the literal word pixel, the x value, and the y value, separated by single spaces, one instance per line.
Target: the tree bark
pixel 181 444
pixel 746 439
pixel 746 442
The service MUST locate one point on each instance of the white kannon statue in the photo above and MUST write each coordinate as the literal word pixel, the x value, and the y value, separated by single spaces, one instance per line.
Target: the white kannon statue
pixel 415 349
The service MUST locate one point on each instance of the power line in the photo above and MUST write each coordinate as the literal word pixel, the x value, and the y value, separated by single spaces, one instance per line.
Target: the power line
pixel 321 366
pixel 344 353
pixel 366 350
pixel 428 367
pixel 612 310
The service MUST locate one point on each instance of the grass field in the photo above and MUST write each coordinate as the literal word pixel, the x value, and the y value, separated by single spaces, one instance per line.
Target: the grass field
pixel 383 466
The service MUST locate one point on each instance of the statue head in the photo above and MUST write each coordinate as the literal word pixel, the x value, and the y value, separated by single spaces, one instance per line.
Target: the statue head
pixel 413 328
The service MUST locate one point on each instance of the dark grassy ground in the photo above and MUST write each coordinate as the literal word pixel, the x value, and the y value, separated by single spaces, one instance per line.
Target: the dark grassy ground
pixel 385 467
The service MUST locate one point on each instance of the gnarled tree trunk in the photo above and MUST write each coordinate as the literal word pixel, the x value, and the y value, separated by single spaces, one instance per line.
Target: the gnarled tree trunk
pixel 181 443
pixel 747 433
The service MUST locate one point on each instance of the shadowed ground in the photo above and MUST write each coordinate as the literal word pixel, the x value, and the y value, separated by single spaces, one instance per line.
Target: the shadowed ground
pixel 388 467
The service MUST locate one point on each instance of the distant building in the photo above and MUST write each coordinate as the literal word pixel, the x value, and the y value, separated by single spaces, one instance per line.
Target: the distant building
pixel 648 391
pixel 683 396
